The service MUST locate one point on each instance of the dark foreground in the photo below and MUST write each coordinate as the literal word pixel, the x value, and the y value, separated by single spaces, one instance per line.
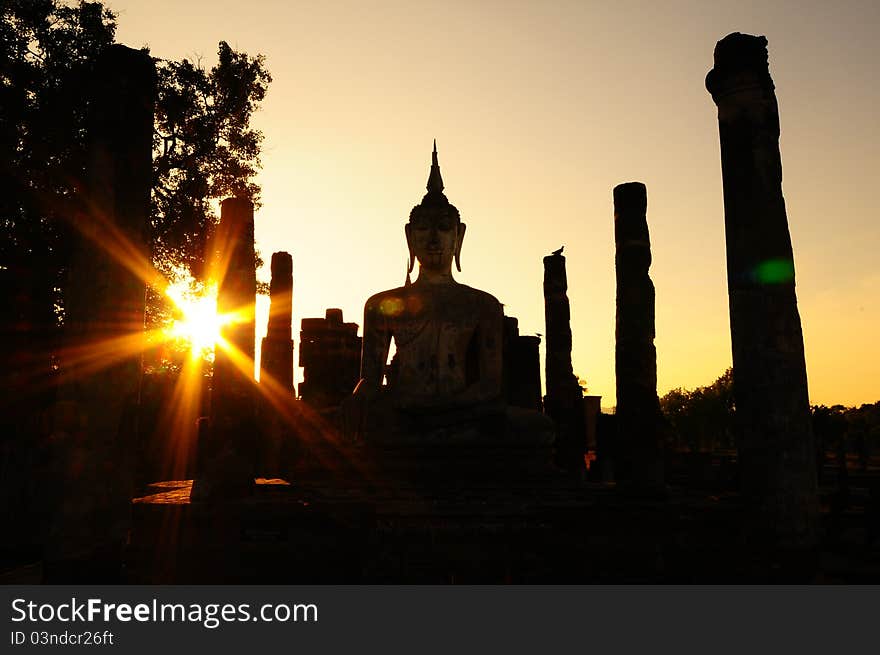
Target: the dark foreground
pixel 531 528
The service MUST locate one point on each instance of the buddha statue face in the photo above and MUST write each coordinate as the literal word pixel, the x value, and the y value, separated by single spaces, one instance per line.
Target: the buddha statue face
pixel 435 239
pixel 435 232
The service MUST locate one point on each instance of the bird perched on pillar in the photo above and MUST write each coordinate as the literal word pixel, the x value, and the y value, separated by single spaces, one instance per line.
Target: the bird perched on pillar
pixel 558 252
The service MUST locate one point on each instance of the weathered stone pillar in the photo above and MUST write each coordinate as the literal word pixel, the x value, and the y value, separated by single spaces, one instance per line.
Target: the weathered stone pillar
pixel 564 401
pixel 227 449
pixel 104 305
pixel 236 295
pixel 640 461
pixel 276 354
pixel 777 460
pixel 93 427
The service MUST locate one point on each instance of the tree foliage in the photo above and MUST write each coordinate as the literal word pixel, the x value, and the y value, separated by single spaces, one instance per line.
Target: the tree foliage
pixel 205 150
pixel 842 429
pixel 204 146
pixel 702 419
pixel 46 50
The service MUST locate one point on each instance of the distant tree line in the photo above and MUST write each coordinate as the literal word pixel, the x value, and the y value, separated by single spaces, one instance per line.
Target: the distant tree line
pixel 702 420
pixel 848 430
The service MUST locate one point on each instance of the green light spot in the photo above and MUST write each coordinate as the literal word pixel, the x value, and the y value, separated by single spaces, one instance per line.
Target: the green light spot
pixel 775 271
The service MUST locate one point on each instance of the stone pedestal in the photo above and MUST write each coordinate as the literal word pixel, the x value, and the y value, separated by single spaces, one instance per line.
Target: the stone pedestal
pixel 638 409
pixel 776 454
pixel 564 401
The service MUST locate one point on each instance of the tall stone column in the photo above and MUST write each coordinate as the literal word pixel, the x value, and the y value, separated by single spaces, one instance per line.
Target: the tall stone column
pixel 276 354
pixel 227 450
pixel 564 401
pixel 236 295
pixel 777 460
pixel 94 426
pixel 640 458
pixel 104 305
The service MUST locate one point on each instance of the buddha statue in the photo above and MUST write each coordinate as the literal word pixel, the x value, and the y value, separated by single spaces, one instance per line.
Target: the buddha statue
pixel 445 383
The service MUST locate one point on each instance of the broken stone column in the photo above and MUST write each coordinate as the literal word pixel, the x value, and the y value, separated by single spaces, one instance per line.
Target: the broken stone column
pixel 777 460
pixel 227 449
pixel 564 401
pixel 276 354
pixel 640 457
pixel 236 295
pixel 522 367
pixel 93 429
pixel 276 369
pixel 330 356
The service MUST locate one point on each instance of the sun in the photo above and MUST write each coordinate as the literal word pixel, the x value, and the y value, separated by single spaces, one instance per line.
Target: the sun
pixel 197 322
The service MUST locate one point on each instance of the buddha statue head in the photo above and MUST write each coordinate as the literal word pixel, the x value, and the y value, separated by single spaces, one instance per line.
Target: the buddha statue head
pixel 434 233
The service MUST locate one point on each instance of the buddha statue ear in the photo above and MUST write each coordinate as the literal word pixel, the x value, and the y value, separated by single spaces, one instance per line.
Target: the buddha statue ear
pixel 458 241
pixel 412 257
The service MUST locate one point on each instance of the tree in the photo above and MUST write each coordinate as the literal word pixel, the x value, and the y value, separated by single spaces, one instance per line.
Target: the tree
pixel 204 149
pixel 848 429
pixel 46 49
pixel 702 419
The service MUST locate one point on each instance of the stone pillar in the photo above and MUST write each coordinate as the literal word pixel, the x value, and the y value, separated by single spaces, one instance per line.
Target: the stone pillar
pixel 640 461
pixel 93 428
pixel 237 292
pixel 276 354
pixel 777 460
pixel 564 401
pixel 227 449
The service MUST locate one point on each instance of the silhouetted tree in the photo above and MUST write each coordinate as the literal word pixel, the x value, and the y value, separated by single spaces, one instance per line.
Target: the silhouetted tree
pixel 848 429
pixel 829 426
pixel 702 419
pixel 46 50
pixel 205 148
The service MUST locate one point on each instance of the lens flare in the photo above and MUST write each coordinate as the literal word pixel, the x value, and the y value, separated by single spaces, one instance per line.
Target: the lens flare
pixel 774 271
pixel 197 322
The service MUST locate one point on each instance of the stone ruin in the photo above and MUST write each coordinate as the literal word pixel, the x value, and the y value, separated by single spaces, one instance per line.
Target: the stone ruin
pixel 777 465
pixel 564 401
pixel 776 450
pixel 93 423
pixel 639 462
pixel 522 367
pixel 227 448
pixel 276 353
pixel 330 356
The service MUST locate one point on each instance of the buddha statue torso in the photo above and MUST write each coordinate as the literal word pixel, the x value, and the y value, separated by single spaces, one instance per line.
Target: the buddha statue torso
pixel 448 340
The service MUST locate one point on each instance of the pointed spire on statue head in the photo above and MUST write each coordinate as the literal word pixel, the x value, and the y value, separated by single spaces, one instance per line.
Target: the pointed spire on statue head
pixel 435 180
pixel 434 202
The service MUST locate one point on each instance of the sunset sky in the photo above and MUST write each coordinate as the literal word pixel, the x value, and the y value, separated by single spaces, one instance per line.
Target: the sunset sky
pixel 539 109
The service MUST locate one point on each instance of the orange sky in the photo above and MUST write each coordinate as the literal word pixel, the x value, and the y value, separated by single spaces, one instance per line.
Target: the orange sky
pixel 539 110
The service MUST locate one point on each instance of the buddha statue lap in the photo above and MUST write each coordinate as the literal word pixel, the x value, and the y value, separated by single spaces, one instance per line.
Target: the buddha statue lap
pixel 445 385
